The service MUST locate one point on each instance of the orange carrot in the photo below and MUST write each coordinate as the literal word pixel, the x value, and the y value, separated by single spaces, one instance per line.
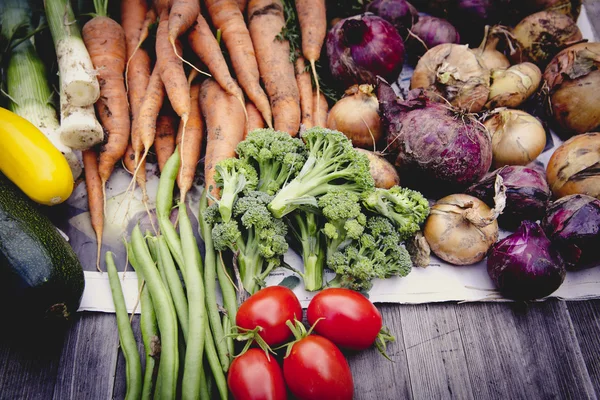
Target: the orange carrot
pixel 265 21
pixel 105 41
pixel 190 144
pixel 242 5
pixel 225 127
pixel 320 114
pixel 305 91
pixel 227 17
pixel 95 197
pixel 133 13
pixel 313 28
pixel 129 163
pixel 161 6
pixel 205 45
pixel 164 143
pixel 255 120
pixel 182 15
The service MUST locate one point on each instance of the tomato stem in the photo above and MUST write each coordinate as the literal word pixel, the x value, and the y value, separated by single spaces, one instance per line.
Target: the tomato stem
pixel 383 337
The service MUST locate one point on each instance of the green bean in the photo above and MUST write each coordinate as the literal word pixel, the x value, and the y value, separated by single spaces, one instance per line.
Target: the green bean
pixel 197 320
pixel 153 247
pixel 164 203
pixel 215 365
pixel 227 330
pixel 133 366
pixel 165 314
pixel 149 330
pixel 205 389
pixel 166 264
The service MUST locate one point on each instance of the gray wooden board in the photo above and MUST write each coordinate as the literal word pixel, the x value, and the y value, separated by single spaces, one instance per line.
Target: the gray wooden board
pixel 120 387
pixel 586 322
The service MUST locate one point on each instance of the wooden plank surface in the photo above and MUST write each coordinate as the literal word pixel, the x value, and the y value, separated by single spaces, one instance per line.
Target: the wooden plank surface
pixel 586 322
pixel 120 386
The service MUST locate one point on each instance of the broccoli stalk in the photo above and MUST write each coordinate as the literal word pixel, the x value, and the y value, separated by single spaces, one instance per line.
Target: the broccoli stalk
pixel 233 176
pixel 276 156
pixel 407 208
pixel 306 230
pixel 376 254
pixel 256 238
pixel 332 163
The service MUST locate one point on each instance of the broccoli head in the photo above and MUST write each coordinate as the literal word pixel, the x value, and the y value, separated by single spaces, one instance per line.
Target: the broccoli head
pixel 276 155
pixel 377 254
pixel 407 208
pixel 344 218
pixel 332 163
pixel 233 176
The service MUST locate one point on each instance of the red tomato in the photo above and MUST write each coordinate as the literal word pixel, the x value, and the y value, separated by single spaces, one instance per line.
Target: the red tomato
pixel 270 308
pixel 350 319
pixel 254 377
pixel 316 369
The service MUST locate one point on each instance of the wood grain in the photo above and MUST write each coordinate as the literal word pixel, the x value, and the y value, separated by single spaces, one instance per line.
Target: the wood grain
pixel 586 322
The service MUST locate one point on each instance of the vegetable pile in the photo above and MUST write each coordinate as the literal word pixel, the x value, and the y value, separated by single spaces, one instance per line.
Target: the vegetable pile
pixel 293 118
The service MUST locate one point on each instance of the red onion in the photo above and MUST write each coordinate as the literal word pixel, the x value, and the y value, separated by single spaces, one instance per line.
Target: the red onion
pixel 437 148
pixel 573 225
pixel 524 266
pixel 399 13
pixel 362 47
pixel 430 32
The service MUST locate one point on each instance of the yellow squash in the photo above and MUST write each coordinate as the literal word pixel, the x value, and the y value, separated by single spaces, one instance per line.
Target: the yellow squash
pixel 30 160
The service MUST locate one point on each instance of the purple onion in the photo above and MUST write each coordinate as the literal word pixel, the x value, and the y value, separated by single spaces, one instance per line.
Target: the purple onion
pixel 431 32
pixel 573 225
pixel 362 47
pixel 437 150
pixel 524 266
pixel 399 13
pixel 527 194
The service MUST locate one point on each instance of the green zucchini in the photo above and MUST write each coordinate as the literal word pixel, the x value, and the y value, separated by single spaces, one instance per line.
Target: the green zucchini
pixel 41 278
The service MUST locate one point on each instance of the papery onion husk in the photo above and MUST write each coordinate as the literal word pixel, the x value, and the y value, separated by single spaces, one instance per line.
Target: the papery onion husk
pixel 436 148
pixel 455 73
pixel 542 35
pixel 400 13
pixel 572 8
pixel 573 79
pixel 362 47
pixel 383 172
pixel 460 229
pixel 356 115
pixel 512 86
pixel 524 266
pixel 572 223
pixel 427 33
pixel 518 138
pixel 491 57
pixel 527 194
pixel 574 167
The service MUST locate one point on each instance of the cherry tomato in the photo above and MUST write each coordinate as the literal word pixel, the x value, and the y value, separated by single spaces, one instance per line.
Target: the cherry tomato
pixel 316 369
pixel 254 377
pixel 350 320
pixel 270 308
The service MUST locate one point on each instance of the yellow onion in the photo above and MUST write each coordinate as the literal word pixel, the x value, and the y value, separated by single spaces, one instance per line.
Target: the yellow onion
pixel 572 8
pixel 492 58
pixel 574 168
pixel 511 87
pixel 383 172
pixel 518 138
pixel 455 73
pixel 573 80
pixel 541 35
pixel 356 115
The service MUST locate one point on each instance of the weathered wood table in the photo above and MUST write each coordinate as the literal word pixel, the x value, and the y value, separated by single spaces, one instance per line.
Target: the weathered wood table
pixel 466 351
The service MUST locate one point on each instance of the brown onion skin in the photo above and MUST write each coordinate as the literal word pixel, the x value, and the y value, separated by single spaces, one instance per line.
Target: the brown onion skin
pixel 574 167
pixel 574 94
pixel 383 172
pixel 436 150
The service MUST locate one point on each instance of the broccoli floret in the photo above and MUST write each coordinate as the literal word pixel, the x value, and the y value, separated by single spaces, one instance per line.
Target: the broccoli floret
pixel 233 176
pixel 407 208
pixel 344 219
pixel 377 254
pixel 276 155
pixel 308 240
pixel 253 234
pixel 332 163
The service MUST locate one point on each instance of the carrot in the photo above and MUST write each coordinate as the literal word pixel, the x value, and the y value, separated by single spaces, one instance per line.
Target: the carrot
pixel 190 144
pixel 255 120
pixel 225 127
pixel 205 45
pixel 95 197
pixel 129 163
pixel 305 91
pixel 242 5
pixel 266 20
pixel 227 17
pixel 161 6
pixel 313 28
pixel 182 15
pixel 133 13
pixel 164 143
pixel 320 115
pixel 144 125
